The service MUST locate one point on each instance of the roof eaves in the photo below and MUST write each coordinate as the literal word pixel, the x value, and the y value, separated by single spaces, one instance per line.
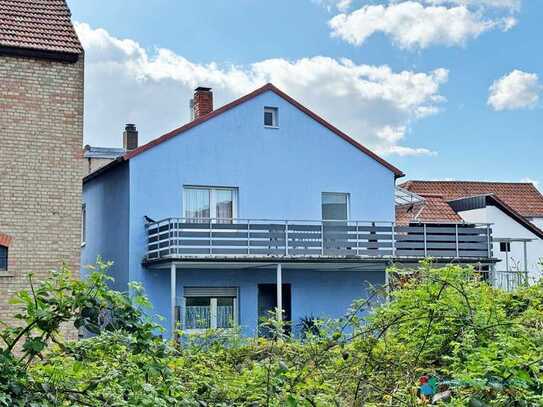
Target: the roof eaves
pixel 61 56
pixel 116 162
pixel 515 215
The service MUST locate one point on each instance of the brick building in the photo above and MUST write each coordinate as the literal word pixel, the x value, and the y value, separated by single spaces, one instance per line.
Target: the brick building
pixel 41 132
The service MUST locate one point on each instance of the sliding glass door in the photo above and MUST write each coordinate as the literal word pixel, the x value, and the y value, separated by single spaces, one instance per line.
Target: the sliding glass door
pixel 204 203
pixel 335 214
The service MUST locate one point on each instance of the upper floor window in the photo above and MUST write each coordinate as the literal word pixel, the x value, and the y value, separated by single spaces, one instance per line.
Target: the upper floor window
pixel 3 258
pixel 83 224
pixel 271 118
pixel 205 203
pixel 505 247
pixel 335 206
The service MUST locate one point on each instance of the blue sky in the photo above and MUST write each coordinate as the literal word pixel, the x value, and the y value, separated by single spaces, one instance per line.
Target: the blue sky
pixel 409 79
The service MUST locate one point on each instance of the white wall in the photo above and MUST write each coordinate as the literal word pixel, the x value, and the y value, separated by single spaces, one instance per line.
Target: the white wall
pixel 503 226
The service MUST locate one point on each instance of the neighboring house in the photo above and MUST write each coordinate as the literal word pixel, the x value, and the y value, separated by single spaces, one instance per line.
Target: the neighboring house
pixel 515 211
pixel 41 133
pixel 256 205
pixel 96 157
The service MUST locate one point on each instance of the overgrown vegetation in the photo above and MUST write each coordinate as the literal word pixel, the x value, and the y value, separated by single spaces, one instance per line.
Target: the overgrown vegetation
pixel 484 345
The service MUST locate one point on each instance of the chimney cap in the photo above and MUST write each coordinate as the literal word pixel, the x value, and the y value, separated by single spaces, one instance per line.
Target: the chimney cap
pixel 130 126
pixel 202 89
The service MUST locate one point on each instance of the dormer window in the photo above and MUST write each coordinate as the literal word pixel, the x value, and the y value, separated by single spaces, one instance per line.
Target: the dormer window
pixel 271 117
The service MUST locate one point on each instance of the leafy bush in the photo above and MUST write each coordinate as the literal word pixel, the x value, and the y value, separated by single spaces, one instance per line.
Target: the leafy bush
pixel 483 344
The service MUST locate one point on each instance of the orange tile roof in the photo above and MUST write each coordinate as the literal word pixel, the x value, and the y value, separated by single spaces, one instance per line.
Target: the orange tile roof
pixel 522 197
pixel 42 25
pixel 434 209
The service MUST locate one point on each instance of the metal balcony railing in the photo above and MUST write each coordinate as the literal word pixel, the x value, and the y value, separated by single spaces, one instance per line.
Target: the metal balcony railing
pixel 187 238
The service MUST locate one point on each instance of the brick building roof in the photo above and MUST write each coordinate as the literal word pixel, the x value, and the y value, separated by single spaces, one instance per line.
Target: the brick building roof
pixel 40 25
pixel 524 198
pixel 434 209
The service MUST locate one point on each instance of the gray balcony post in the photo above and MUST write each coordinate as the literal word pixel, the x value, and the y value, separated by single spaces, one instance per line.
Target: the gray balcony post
pixel 425 241
pixel 279 277
pixel 210 236
pixel 322 238
pixel 286 239
pixel 357 240
pixel 457 245
pixel 488 241
pixel 173 299
pixel 169 237
pixel 248 236
pixel 393 227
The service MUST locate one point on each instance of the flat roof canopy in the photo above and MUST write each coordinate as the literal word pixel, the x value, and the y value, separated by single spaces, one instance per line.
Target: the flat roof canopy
pixel 248 265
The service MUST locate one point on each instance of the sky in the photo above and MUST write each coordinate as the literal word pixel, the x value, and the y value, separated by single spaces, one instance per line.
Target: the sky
pixel 442 89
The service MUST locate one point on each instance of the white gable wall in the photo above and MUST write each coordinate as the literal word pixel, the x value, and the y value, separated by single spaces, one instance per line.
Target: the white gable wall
pixel 503 226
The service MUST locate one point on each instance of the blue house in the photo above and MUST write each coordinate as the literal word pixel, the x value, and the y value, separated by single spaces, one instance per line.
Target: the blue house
pixel 255 206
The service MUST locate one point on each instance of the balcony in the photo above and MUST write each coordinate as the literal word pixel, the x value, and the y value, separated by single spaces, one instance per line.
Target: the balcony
pixel 227 239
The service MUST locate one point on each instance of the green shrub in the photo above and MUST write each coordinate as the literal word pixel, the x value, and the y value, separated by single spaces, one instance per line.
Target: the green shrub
pixel 483 344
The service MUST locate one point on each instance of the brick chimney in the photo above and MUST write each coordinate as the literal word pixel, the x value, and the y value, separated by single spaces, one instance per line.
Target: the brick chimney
pixel 202 102
pixel 130 137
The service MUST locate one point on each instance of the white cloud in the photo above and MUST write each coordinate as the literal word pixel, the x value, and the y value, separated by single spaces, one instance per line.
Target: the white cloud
pixel 125 83
pixel 412 24
pixel 515 90
pixel 330 5
pixel 403 151
pixel 513 5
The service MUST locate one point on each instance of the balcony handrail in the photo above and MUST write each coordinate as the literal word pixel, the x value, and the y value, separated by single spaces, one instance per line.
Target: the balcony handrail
pixel 284 220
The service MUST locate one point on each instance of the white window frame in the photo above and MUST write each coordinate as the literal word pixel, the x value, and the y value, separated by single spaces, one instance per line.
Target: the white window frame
pixel 275 117
pixel 212 312
pixel 347 194
pixel 213 199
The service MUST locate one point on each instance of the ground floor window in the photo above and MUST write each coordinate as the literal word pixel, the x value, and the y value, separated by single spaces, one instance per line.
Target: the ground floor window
pixel 210 308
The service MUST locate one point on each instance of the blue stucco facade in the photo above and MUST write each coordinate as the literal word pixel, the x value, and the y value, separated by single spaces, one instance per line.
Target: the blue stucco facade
pixel 280 173
pixel 107 206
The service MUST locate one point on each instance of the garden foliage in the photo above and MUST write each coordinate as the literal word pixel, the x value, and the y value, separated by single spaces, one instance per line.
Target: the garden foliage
pixel 482 344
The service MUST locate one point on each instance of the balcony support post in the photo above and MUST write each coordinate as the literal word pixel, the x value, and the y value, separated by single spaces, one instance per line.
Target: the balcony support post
pixel 279 282
pixel 173 285
pixel 525 253
pixel 507 257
